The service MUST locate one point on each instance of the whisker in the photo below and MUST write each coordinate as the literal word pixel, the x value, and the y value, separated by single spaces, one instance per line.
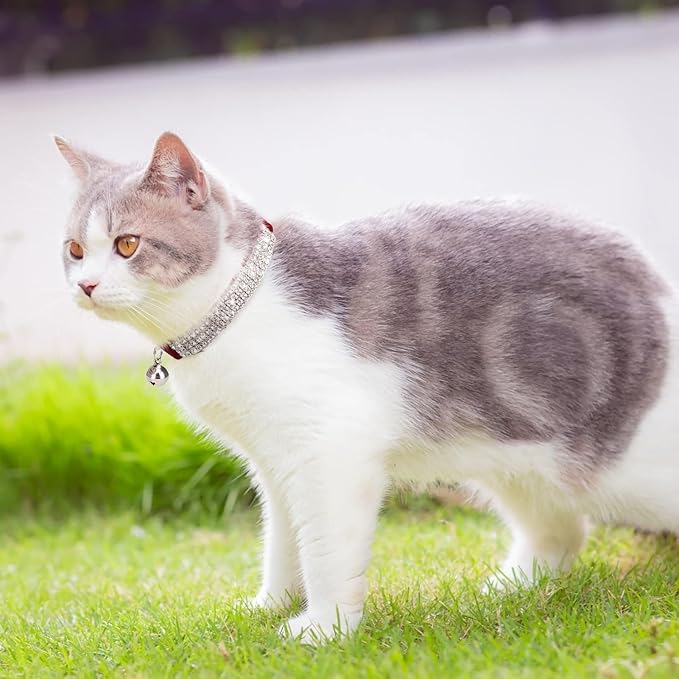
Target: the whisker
pixel 145 317
pixel 175 311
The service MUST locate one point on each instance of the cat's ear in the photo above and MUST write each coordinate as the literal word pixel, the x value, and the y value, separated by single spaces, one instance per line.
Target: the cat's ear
pixel 82 163
pixel 175 171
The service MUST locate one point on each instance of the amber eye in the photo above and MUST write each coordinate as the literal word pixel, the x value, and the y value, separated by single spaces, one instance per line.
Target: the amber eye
pixel 76 250
pixel 127 245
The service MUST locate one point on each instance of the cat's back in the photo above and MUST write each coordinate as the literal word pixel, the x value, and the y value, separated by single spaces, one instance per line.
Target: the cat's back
pixel 467 254
pixel 508 242
pixel 515 318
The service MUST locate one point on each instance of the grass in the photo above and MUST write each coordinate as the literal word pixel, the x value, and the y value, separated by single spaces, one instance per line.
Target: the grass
pixel 125 547
pixel 117 595
pixel 75 438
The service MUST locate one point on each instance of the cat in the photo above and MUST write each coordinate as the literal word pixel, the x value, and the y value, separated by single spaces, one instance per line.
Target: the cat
pixel 499 343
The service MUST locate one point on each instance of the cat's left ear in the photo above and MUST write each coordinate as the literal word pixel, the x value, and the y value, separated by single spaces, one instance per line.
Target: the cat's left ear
pixel 175 171
pixel 82 162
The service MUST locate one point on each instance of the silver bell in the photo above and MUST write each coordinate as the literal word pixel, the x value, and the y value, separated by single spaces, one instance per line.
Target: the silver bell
pixel 157 375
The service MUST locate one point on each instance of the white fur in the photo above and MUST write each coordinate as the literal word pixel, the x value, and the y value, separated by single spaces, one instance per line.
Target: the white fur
pixel 325 432
pixel 117 290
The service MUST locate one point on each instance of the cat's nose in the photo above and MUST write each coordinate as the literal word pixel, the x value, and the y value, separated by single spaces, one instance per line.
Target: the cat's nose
pixel 87 287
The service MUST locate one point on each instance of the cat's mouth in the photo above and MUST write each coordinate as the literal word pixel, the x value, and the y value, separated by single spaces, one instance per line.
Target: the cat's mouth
pixel 100 310
pixel 108 313
pixel 111 310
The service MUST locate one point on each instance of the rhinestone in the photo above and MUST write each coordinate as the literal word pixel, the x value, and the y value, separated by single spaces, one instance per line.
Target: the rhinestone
pixel 224 311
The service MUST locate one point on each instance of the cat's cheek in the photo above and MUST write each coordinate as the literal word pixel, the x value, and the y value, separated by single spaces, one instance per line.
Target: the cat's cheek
pixel 106 313
pixel 83 301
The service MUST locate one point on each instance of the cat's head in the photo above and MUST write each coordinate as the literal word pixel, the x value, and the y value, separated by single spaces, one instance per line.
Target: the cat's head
pixel 144 242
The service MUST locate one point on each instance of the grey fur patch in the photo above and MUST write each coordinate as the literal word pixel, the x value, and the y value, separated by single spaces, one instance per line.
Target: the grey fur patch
pixel 177 241
pixel 511 319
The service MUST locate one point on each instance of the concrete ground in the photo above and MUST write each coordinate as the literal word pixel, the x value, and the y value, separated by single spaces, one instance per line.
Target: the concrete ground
pixel 585 116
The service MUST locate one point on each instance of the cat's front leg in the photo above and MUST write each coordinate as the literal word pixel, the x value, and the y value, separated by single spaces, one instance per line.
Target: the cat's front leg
pixel 281 570
pixel 334 500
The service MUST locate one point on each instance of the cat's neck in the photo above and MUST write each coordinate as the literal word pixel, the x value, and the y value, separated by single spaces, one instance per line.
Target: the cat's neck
pixel 174 315
pixel 178 311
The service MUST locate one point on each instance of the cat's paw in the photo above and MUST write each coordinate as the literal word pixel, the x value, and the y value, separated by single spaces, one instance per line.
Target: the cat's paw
pixel 315 630
pixel 501 582
pixel 270 602
pixel 514 576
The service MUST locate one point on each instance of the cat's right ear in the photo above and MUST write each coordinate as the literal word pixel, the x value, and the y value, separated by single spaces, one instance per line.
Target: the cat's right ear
pixel 175 171
pixel 81 162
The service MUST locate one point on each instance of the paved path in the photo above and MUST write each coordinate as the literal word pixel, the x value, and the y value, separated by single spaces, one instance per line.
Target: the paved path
pixel 585 116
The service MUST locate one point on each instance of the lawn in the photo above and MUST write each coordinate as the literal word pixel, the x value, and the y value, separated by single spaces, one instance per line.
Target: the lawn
pixel 109 575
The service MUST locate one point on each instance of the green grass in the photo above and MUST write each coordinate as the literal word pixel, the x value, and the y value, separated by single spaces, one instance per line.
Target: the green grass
pixel 74 438
pixel 125 547
pixel 119 596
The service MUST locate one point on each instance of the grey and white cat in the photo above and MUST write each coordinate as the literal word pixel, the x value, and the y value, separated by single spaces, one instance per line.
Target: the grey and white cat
pixel 526 352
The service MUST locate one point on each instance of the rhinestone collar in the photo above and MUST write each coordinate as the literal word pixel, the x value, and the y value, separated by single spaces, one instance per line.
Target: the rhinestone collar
pixel 239 291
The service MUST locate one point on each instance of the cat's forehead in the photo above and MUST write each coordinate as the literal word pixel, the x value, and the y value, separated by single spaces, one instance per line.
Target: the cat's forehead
pixel 97 231
pixel 87 208
pixel 111 205
pixel 94 200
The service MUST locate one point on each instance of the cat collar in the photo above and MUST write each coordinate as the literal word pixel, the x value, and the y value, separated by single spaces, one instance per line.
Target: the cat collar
pixel 239 291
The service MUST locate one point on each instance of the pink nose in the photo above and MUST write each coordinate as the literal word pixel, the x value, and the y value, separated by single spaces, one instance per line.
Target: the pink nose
pixel 87 287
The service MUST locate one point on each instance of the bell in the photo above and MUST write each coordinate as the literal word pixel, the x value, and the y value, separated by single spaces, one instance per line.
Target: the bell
pixel 157 375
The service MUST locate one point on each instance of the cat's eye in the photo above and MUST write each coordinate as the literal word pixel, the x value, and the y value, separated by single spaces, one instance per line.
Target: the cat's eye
pixel 76 250
pixel 126 246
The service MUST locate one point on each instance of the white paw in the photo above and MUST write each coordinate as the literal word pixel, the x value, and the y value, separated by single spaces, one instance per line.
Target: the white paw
pixel 267 601
pixel 505 581
pixel 524 572
pixel 317 629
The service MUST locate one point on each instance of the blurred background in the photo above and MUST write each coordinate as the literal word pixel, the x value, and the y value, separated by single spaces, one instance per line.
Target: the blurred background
pixel 125 536
pixel 73 34
pixel 334 109
pixel 329 108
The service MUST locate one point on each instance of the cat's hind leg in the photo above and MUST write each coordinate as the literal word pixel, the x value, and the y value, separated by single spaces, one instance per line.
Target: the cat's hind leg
pixel 547 534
